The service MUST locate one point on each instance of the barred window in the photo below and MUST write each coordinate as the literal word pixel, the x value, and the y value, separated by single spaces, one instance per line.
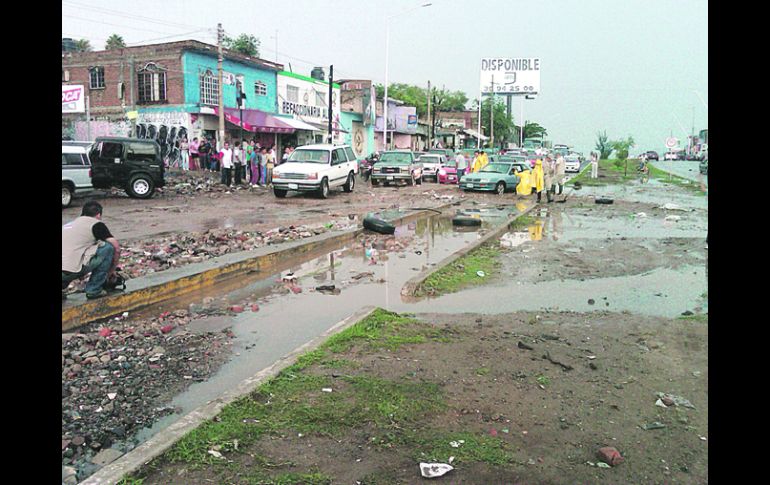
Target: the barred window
pixel 292 94
pixel 209 88
pixel 152 84
pixel 97 77
pixel 260 88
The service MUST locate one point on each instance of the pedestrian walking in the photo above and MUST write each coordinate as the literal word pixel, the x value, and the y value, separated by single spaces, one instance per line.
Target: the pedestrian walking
pixel 594 165
pixel 537 178
pixel 194 160
pixel 561 172
pixel 184 149
pixel 227 164
pixel 462 165
pixel 549 177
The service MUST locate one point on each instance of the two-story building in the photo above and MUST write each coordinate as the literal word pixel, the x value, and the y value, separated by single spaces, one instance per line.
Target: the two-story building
pixel 303 102
pixel 171 90
pixel 357 115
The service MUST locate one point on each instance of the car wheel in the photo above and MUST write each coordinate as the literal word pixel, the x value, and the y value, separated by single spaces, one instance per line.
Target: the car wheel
pixel 350 185
pixel 324 191
pixel 140 187
pixel 500 188
pixel 375 183
pixel 66 196
pixel 280 193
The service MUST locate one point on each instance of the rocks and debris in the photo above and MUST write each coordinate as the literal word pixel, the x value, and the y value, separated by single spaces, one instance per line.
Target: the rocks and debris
pixel 548 357
pixel 672 218
pixel 610 456
pixel 673 207
pixel 653 425
pixel 114 385
pixel 433 470
pixel 674 400
pixel 524 346
pixel 362 275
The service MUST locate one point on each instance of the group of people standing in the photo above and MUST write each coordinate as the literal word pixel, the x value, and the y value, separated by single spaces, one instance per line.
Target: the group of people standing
pixel 246 161
pixel 480 160
pixel 547 175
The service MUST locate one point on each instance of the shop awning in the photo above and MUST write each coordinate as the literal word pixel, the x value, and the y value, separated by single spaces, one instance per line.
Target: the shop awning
pixel 323 127
pixel 256 121
pixel 299 124
pixel 475 134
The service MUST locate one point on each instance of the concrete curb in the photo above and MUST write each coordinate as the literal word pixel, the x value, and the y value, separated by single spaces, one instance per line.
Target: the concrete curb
pixel 175 283
pixel 165 439
pixel 410 287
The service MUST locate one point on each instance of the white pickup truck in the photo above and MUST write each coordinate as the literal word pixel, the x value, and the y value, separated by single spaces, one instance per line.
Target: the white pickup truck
pixel 316 168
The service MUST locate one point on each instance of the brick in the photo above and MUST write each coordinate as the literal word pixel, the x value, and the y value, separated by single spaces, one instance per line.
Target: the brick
pixel 610 456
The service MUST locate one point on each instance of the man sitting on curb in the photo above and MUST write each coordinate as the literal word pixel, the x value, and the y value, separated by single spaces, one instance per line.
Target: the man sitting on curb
pixel 87 246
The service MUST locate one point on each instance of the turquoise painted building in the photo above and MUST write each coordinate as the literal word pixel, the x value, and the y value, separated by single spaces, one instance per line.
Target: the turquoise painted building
pixel 359 136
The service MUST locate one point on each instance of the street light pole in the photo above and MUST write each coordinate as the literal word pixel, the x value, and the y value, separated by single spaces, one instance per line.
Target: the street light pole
pixel 387 48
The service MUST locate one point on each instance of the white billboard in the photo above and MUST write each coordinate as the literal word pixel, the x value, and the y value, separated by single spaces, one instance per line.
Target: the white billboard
pixel 73 99
pixel 504 75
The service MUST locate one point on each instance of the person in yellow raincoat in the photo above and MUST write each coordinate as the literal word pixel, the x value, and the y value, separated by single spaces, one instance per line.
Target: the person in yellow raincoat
pixel 537 179
pixel 484 159
pixel 476 165
pixel 524 186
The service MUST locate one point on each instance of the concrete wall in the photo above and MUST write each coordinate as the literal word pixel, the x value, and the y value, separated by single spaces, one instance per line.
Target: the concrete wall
pixel 359 136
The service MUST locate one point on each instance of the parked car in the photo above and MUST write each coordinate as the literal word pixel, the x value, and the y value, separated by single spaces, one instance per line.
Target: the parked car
pixel 316 168
pixel 430 165
pixel 670 156
pixel 651 155
pixel 448 153
pixel 447 173
pixel 127 163
pixel 496 177
pixel 572 163
pixel 395 166
pixel 75 171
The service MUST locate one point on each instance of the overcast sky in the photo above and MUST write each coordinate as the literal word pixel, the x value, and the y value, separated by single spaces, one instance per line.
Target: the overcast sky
pixel 631 67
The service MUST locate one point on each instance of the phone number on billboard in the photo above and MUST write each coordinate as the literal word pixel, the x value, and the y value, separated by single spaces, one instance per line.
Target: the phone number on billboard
pixel 510 89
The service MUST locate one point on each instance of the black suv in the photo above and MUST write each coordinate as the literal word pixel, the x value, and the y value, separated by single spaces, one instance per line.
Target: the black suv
pixel 127 163
pixel 651 155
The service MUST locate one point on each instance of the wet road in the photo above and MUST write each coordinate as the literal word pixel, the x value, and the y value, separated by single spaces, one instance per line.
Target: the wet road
pixel 683 168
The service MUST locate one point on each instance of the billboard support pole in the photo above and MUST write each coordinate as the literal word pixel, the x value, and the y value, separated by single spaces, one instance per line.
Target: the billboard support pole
pixel 478 138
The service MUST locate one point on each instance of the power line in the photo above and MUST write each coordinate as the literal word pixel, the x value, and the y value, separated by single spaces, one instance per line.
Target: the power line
pixel 114 25
pixel 119 13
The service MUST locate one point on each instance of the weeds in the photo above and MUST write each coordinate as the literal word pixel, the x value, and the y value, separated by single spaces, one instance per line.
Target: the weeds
pixel 462 272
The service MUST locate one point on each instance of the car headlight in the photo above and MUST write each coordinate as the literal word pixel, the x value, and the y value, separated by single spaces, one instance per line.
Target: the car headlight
pixel 375 169
pixel 312 176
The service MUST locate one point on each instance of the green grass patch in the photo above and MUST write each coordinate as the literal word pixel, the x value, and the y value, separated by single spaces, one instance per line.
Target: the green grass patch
pixel 476 448
pixel 614 172
pixel 543 380
pixel 131 481
pixel 482 371
pixel 462 273
pixel 522 222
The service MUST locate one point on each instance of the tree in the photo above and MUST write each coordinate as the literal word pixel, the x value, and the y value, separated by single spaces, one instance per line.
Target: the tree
pixel 83 45
pixel 604 147
pixel 621 148
pixel 244 43
pixel 534 130
pixel 503 124
pixel 115 42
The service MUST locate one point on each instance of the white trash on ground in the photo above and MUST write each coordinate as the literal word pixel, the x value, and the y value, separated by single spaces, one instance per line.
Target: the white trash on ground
pixel 433 470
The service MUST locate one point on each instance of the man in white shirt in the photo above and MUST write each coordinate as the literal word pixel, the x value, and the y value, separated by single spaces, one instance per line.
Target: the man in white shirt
pixel 227 164
pixel 462 164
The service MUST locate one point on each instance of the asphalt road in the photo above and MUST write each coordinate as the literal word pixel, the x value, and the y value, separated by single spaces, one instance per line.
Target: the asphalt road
pixel 682 168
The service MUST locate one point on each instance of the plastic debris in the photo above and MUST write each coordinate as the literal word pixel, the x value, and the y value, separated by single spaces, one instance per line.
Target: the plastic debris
pixel 660 404
pixel 433 470
pixel 326 389
pixel 480 274
pixel 641 214
pixel 609 456
pixel 456 444
pixel 601 464
pixel 215 454
pixel 672 218
pixel 654 425
pixel 672 207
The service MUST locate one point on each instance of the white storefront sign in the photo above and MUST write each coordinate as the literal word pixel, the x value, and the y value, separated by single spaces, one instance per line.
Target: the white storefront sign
pixel 510 75
pixel 73 99
pixel 306 99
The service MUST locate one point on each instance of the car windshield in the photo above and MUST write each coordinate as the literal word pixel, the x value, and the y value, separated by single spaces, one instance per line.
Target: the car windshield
pixel 429 159
pixel 451 164
pixel 396 158
pixel 309 156
pixel 496 168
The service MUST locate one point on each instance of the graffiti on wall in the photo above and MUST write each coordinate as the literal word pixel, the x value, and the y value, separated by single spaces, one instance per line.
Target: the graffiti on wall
pixel 100 128
pixel 167 129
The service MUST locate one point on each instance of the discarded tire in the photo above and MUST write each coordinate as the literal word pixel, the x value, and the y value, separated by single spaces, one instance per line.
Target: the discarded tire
pixel 466 221
pixel 604 200
pixel 378 225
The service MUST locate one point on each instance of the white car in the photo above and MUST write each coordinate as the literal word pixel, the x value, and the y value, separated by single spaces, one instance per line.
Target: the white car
pixel 670 156
pixel 572 163
pixel 316 168
pixel 75 171
pixel 431 162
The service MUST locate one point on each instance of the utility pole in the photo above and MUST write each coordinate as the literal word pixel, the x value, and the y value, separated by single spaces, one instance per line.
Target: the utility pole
pixel 220 35
pixel 133 103
pixel 88 118
pixel 430 125
pixel 331 80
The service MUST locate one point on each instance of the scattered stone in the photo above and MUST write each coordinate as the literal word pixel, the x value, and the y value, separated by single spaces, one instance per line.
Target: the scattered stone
pixel 236 308
pixel 591 301
pixel 610 456
pixel 106 456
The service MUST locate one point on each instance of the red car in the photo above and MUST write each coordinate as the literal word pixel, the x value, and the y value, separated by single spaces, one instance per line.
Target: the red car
pixel 447 173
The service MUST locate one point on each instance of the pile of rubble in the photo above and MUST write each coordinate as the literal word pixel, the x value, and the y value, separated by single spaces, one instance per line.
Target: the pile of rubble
pixel 117 378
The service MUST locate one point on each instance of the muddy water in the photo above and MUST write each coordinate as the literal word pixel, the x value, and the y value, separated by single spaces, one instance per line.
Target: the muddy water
pixel 287 320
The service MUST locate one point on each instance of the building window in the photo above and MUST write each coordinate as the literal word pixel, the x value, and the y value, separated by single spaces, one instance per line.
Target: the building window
pixel 260 89
pixel 320 99
pixel 209 88
pixel 292 94
pixel 152 84
pixel 97 77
